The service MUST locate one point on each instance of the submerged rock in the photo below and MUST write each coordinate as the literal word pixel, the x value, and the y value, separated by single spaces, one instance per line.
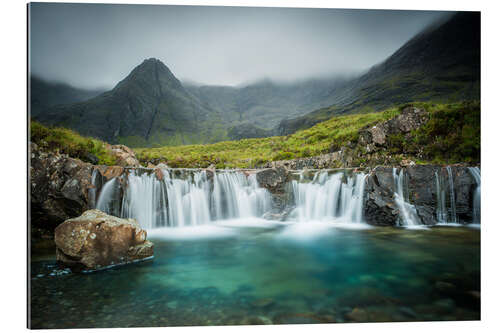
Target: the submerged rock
pixel 96 240
pixel 357 315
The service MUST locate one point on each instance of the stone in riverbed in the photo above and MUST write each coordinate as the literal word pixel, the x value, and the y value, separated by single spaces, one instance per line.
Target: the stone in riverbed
pixel 357 315
pixel 96 240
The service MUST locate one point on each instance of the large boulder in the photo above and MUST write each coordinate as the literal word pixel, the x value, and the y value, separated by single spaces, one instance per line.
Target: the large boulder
pixel 96 240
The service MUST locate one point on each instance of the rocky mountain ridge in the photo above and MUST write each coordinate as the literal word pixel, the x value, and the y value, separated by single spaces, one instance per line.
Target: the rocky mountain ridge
pixel 440 64
pixel 149 106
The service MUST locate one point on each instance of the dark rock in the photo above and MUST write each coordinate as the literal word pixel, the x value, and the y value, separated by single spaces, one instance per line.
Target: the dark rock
pixel 380 208
pixel 410 119
pixel 91 158
pixel 59 187
pixel 325 161
pixel 273 180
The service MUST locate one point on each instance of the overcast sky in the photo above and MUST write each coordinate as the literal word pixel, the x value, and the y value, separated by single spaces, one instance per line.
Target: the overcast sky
pixel 93 45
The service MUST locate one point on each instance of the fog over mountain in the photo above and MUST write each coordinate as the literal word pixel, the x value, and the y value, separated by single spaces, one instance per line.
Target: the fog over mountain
pixel 96 45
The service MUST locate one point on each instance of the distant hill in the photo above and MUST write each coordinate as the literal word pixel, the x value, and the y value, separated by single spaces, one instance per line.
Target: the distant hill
pixel 441 64
pixel 150 106
pixel 45 94
pixel 265 103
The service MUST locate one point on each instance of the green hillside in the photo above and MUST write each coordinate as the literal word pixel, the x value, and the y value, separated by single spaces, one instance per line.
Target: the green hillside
pixel 66 141
pixel 451 135
pixel 441 64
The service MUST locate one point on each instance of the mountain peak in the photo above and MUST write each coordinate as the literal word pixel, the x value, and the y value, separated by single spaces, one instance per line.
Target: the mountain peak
pixel 151 72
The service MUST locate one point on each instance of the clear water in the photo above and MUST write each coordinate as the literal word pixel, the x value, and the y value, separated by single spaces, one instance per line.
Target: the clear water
pixel 256 272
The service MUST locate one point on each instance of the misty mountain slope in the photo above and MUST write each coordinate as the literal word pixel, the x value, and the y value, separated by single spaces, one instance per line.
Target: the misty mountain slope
pixel 150 106
pixel 265 103
pixel 440 64
pixel 45 94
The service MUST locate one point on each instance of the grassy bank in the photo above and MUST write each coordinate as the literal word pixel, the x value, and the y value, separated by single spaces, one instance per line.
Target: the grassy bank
pixel 452 135
pixel 69 142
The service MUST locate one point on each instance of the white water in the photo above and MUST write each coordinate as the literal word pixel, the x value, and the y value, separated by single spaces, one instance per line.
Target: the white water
pixel 476 173
pixel 93 189
pixel 235 195
pixel 407 212
pixel 109 197
pixel 327 197
pixel 185 199
pixel 453 212
pixel 188 198
pixel 446 215
pixel 441 212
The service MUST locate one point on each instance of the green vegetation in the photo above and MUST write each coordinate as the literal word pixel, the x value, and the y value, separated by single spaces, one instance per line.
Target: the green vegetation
pixel 253 152
pixel 69 142
pixel 451 135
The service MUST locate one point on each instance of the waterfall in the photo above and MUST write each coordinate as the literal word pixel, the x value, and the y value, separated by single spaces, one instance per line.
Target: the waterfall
pixel 453 213
pixel 109 198
pixel 441 213
pixel 476 204
pixel 327 197
pixel 407 212
pixel 444 214
pixel 145 200
pixel 93 189
pixel 175 198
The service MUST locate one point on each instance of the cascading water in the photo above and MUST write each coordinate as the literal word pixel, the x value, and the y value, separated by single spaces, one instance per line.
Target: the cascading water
pixel 476 174
pixel 235 195
pixel 441 213
pixel 453 212
pixel 176 198
pixel 327 197
pixel 93 189
pixel 407 212
pixel 445 193
pixel 109 198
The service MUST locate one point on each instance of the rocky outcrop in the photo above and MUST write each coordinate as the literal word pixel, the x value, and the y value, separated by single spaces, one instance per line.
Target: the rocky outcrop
pixel 124 156
pixel 275 180
pixel 370 149
pixel 410 119
pixel 324 161
pixel 381 209
pixel 59 187
pixel 96 240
